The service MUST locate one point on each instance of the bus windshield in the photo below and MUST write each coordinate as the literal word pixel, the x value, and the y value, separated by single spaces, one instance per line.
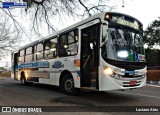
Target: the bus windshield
pixel 124 45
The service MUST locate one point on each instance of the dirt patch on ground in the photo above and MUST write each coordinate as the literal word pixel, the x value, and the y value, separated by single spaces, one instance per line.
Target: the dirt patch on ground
pixel 72 100
pixel 153 75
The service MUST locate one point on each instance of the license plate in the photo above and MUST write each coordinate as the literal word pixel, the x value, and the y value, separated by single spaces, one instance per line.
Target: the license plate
pixel 133 82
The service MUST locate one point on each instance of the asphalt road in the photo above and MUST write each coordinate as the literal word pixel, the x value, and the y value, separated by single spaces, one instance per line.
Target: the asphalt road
pixel 13 93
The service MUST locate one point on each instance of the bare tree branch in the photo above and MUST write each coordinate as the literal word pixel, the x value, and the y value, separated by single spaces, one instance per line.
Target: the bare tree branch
pixel 16 24
pixel 44 11
pixel 8 37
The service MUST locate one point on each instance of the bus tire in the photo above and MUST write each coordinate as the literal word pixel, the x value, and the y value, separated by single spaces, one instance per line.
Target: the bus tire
pixel 67 85
pixel 23 80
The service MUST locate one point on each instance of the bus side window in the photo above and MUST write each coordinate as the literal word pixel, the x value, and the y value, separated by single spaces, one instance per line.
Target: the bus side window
pixel 50 48
pixel 72 42
pixel 34 54
pixel 47 46
pixel 29 56
pixel 62 46
pixel 68 43
pixel 54 47
pixel 38 52
pixel 21 56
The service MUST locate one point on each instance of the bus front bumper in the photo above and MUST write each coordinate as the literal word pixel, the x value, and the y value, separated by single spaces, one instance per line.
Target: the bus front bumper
pixel 110 83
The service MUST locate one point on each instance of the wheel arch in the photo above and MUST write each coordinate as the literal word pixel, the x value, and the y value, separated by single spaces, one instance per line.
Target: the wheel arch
pixel 22 74
pixel 63 73
pixel 71 90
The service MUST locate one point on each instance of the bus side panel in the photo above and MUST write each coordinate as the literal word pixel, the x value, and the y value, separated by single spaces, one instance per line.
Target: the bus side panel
pixel 105 82
pixel 51 74
pixel 59 65
pixel 67 64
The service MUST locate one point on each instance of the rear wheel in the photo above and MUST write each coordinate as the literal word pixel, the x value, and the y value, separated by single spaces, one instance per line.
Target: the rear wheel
pixel 67 85
pixel 23 80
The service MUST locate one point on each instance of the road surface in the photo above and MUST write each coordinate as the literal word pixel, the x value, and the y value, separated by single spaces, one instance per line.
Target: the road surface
pixel 13 93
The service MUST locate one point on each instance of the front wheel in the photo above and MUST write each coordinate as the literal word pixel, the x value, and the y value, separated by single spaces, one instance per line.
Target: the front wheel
pixel 67 85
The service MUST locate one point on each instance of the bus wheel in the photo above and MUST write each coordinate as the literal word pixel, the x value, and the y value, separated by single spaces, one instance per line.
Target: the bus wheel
pixel 23 80
pixel 67 85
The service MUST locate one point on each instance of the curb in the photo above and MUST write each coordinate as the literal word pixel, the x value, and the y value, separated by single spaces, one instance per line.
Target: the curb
pixel 153 82
pixel 153 85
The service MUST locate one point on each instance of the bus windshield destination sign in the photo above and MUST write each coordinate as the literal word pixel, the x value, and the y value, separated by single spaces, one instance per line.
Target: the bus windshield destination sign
pixel 122 21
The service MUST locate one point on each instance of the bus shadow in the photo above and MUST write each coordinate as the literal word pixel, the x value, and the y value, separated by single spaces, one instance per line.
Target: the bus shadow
pixel 108 98
pixel 39 86
pixel 84 97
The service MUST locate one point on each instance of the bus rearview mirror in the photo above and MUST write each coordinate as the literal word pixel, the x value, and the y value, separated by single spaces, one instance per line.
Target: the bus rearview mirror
pixel 105 31
pixel 104 34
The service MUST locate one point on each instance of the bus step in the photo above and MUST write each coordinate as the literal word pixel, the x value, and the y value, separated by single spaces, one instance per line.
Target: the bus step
pixel 93 75
pixel 89 88
pixel 93 68
pixel 93 82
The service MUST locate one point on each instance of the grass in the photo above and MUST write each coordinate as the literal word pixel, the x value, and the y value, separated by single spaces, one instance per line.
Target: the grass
pixel 5 73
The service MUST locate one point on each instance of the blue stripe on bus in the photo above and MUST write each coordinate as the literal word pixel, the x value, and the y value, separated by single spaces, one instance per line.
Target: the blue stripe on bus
pixel 44 64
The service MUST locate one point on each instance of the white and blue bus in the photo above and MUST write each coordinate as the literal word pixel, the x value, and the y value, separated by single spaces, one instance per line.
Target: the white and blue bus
pixel 103 52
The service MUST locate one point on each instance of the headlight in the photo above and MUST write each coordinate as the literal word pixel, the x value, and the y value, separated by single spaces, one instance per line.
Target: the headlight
pixel 145 71
pixel 108 71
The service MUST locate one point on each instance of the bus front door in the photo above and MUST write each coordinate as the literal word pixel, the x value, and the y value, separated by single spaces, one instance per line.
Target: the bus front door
pixel 90 56
pixel 15 65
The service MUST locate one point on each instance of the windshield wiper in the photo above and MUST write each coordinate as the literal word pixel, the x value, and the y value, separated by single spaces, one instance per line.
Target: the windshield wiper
pixel 119 34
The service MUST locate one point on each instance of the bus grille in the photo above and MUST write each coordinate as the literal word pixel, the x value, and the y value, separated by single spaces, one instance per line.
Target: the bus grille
pixel 131 76
pixel 127 84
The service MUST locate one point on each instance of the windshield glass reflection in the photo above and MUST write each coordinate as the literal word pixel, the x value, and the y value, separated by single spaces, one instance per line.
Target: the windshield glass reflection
pixel 124 45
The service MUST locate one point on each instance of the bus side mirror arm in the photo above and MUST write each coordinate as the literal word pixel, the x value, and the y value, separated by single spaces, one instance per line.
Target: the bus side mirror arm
pixel 103 43
pixel 105 33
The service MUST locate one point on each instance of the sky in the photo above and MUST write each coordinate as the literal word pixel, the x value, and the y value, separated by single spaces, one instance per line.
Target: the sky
pixel 145 11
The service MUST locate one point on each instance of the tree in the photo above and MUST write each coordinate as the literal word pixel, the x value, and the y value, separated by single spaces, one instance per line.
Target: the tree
pixel 44 12
pixel 152 34
pixel 152 57
pixel 8 37
pixel 152 38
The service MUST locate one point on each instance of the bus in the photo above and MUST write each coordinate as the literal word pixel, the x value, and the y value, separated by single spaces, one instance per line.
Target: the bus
pixel 103 52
